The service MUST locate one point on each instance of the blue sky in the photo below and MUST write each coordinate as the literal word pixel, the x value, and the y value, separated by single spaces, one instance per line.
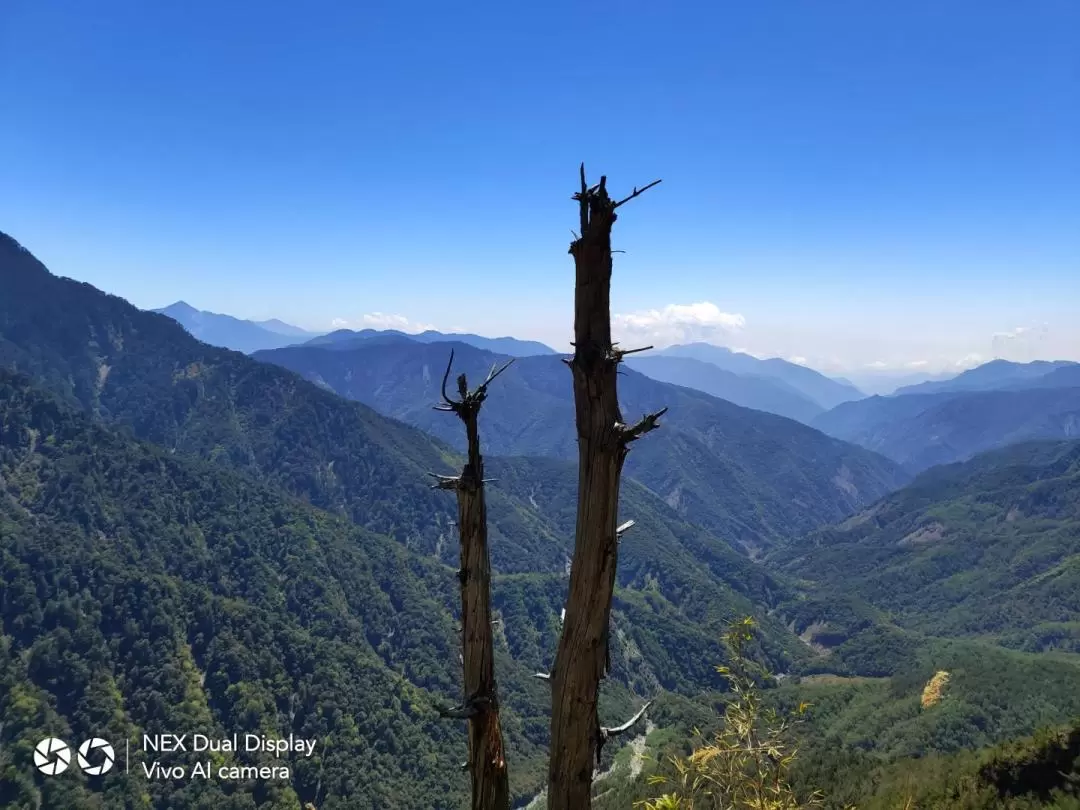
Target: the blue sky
pixel 858 184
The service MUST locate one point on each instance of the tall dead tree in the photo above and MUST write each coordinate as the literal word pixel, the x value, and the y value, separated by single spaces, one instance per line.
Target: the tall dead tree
pixel 487 760
pixel 583 657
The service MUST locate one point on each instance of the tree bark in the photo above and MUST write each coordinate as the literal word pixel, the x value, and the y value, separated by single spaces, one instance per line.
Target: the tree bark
pixel 583 658
pixel 487 761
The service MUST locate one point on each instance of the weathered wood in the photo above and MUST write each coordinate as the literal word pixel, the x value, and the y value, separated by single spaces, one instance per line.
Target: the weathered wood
pixel 487 761
pixel 603 442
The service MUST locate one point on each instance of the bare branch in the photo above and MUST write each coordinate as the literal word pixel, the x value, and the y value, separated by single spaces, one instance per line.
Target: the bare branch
pixel 462 712
pixel 637 191
pixel 623 529
pixel 445 481
pixel 615 731
pixel 445 377
pixel 493 373
pixel 619 354
pixel 470 708
pixel 584 201
pixel 643 426
pixel 544 676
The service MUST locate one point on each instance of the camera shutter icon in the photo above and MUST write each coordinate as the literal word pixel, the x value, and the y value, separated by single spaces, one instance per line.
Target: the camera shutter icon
pixel 52 756
pixel 101 751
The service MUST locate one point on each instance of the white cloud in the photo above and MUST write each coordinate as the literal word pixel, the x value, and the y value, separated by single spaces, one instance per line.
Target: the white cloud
pixel 800 361
pixel 970 361
pixel 381 320
pixel 877 364
pixel 1021 343
pixel 1012 334
pixel 917 364
pixel 676 323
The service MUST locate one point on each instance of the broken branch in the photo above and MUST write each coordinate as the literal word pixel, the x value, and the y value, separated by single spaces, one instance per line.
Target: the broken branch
pixel 637 192
pixel 615 731
pixel 643 426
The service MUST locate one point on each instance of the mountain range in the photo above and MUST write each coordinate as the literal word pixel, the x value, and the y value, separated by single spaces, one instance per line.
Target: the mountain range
pixel 988 407
pixel 995 375
pixel 773 385
pixel 194 538
pixel 347 339
pixel 825 391
pixel 716 459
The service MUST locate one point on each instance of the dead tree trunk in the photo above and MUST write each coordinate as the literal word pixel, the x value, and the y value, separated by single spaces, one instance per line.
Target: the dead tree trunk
pixel 487 761
pixel 603 441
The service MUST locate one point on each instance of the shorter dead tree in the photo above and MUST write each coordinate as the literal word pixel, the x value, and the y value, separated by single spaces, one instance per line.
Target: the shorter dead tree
pixel 487 760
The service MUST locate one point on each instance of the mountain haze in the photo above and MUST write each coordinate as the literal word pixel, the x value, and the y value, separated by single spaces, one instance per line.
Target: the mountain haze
pixel 234 333
pixel 826 392
pixel 921 430
pixel 759 393
pixel 990 376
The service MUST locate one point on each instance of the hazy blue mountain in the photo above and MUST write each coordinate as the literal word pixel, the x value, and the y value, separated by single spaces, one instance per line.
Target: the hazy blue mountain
pixel 1067 376
pixel 883 383
pixel 989 376
pixel 281 328
pixel 233 333
pixel 746 476
pixel 759 393
pixel 512 347
pixel 921 430
pixel 823 390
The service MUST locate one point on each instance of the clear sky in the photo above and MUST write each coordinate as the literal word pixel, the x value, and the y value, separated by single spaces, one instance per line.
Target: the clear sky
pixel 858 184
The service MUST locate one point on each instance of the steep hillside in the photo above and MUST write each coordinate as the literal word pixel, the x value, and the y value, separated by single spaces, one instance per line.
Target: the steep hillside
pixel 759 393
pixel 145 372
pixel 749 477
pixel 988 548
pixel 147 592
pixel 921 430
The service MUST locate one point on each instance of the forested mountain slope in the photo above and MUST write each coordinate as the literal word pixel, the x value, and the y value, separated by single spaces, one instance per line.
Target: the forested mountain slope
pixel 742 474
pixel 989 547
pixel 148 591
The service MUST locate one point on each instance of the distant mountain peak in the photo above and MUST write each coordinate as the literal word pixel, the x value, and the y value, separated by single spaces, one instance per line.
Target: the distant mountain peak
pixel 230 332
pixel 822 390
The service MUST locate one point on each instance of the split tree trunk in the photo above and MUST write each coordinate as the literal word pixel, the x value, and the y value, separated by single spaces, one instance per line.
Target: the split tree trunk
pixel 603 441
pixel 487 761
